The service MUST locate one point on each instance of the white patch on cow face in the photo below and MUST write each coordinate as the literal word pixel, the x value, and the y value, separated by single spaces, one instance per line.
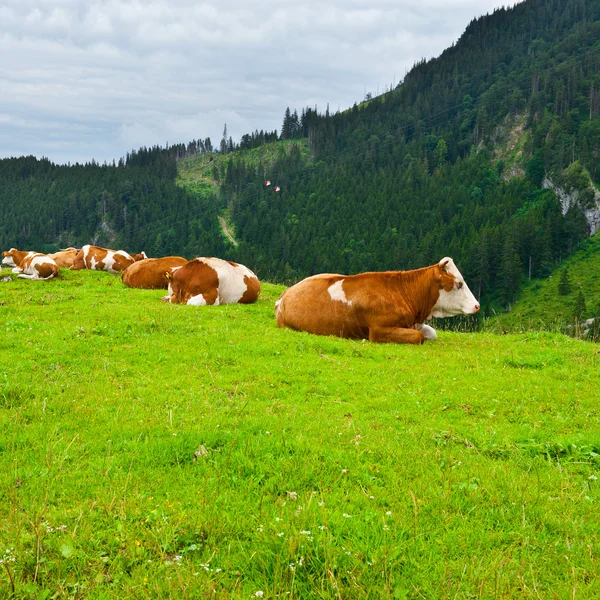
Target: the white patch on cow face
pixel 196 301
pixel 459 300
pixel 337 293
pixel 9 260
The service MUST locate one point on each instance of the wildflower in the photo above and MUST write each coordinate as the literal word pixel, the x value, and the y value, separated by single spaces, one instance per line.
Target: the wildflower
pixel 322 527
pixel 292 495
pixel 292 567
pixel 305 533
pixel 280 534
pixel 259 594
pixel 389 513
pixel 347 516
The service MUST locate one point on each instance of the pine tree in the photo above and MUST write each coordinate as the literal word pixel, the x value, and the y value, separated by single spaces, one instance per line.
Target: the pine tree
pixel 564 283
pixel 580 307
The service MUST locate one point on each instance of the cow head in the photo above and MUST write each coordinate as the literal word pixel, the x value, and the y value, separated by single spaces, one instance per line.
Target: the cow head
pixel 455 296
pixel 141 256
pixel 8 257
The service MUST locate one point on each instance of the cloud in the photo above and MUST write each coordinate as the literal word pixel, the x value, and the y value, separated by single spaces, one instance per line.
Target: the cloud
pixel 94 80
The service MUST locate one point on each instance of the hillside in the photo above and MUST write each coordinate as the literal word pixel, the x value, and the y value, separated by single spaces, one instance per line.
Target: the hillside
pixel 488 153
pixel 541 305
pixel 151 450
pixel 435 167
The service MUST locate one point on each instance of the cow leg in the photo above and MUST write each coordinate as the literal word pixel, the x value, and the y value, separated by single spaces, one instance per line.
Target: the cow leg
pixel 395 335
pixel 427 331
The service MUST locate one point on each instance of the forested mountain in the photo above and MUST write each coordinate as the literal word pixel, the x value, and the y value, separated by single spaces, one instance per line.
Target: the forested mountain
pixel 426 170
pixel 134 205
pixel 463 158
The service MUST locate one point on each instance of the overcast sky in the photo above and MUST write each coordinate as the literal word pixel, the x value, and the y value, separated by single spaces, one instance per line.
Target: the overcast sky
pixel 93 79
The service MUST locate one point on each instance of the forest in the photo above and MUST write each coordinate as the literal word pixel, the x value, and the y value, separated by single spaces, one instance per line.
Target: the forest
pixel 457 160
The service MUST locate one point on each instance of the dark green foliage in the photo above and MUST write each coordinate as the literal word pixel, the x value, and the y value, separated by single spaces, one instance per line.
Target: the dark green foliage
pixel 564 284
pixel 580 307
pixel 411 176
pixel 134 205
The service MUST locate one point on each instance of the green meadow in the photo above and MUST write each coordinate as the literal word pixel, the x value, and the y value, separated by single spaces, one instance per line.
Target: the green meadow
pixel 158 451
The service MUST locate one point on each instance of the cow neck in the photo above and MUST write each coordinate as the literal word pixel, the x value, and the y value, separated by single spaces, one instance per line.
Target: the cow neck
pixel 19 255
pixel 419 290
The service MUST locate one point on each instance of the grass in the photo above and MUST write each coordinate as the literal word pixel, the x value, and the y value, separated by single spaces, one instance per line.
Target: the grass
pixel 541 306
pixel 151 450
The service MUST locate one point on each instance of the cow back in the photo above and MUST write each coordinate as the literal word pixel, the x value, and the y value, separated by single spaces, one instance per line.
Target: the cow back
pixel 151 273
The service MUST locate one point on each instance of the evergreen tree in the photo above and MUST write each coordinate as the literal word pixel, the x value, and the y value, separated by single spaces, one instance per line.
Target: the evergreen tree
pixel 580 307
pixel 564 283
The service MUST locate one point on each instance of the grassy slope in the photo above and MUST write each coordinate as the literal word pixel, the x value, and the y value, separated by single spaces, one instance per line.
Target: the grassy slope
pixel 327 468
pixel 541 306
pixel 196 172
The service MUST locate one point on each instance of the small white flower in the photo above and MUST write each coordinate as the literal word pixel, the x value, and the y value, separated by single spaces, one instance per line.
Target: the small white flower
pixel 292 495
pixel 305 532
pixel 322 527
pixel 347 516
pixel 344 470
pixel 292 567
pixel 259 594
pixel 280 534
pixel 321 503
pixel 389 513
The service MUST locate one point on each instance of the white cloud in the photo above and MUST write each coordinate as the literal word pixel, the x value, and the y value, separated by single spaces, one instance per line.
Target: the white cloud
pixel 94 80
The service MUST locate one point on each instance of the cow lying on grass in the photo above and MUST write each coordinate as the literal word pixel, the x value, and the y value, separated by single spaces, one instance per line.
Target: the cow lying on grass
pixel 102 259
pixel 64 258
pixel 151 274
pixel 390 306
pixel 211 281
pixel 30 265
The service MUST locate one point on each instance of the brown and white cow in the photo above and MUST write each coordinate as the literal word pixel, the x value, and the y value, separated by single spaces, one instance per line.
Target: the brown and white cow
pixel 30 265
pixel 151 274
pixel 207 280
pixel 102 259
pixel 389 306
pixel 64 258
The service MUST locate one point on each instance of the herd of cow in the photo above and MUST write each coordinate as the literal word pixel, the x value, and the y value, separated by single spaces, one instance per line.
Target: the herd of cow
pixel 389 306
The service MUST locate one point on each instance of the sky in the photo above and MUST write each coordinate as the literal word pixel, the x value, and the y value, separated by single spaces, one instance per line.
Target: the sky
pixel 94 79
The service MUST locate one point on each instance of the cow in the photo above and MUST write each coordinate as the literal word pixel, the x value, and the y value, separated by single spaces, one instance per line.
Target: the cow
pixel 102 259
pixel 390 306
pixel 64 258
pixel 30 265
pixel 151 274
pixel 212 281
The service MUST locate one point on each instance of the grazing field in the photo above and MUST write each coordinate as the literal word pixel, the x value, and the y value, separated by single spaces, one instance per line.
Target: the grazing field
pixel 152 451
